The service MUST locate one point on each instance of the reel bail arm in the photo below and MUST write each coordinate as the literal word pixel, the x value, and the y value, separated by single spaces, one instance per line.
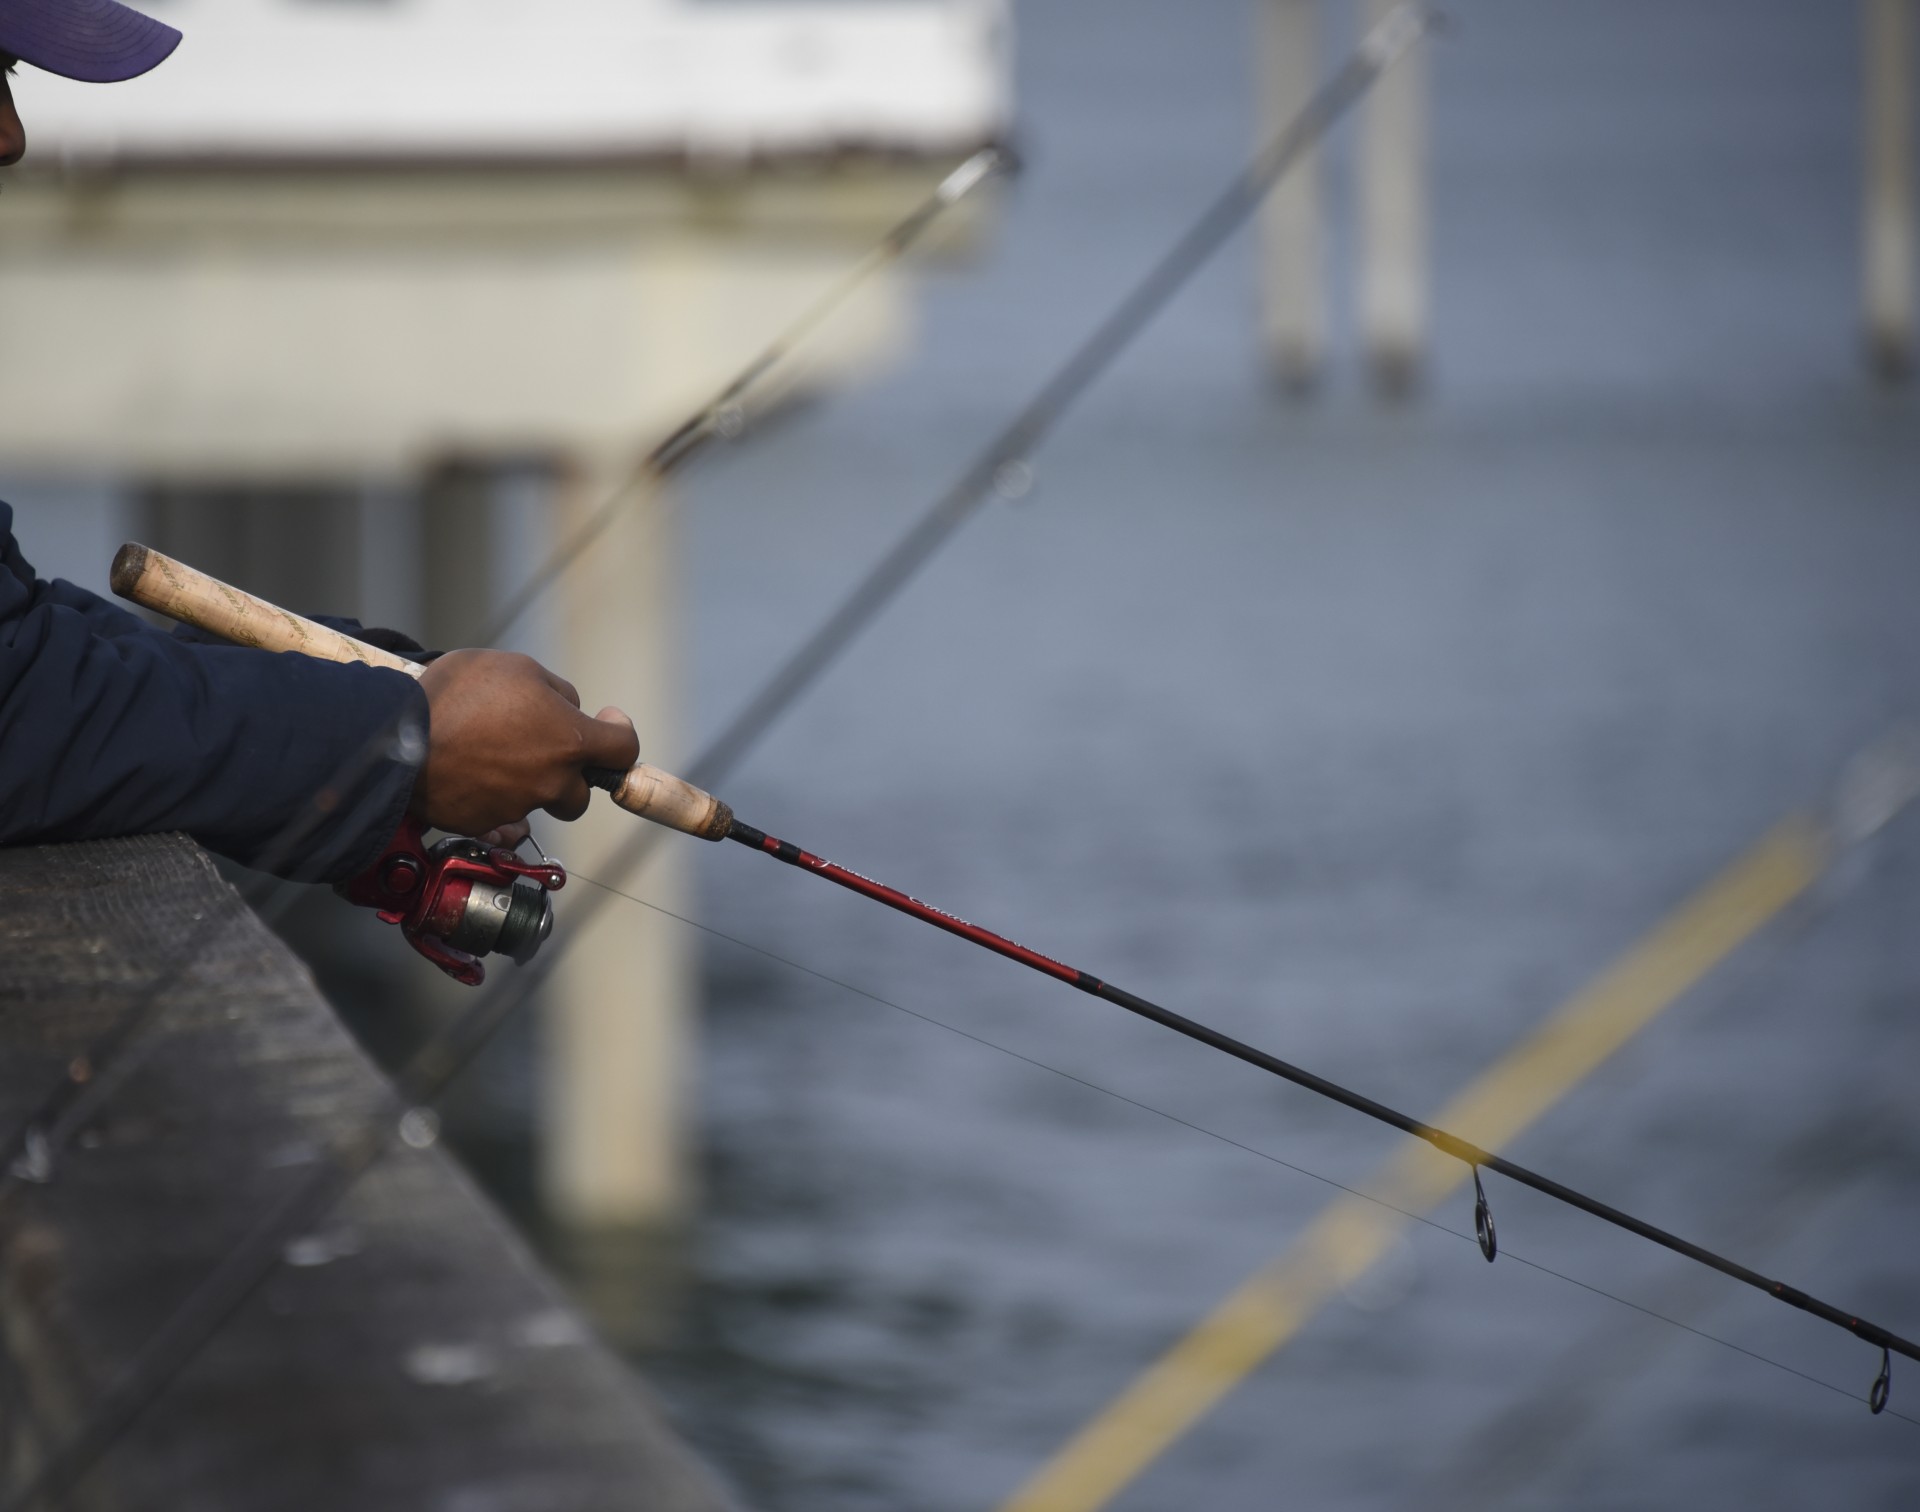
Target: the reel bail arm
pixel 459 900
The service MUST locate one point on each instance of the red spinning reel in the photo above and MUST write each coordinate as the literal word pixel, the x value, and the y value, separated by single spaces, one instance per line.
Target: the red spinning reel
pixel 459 899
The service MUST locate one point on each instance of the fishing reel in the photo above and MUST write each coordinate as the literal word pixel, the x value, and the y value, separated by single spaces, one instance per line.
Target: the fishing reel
pixel 459 899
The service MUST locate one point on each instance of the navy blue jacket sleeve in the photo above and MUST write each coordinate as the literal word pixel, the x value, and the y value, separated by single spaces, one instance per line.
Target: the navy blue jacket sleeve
pixel 109 727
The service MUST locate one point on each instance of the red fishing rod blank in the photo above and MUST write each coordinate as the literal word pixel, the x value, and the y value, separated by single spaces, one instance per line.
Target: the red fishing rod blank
pixel 1461 1149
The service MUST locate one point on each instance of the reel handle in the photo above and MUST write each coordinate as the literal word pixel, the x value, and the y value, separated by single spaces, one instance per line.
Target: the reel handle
pixel 156 581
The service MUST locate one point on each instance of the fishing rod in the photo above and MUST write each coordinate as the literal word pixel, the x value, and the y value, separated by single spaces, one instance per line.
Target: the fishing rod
pixel 1447 1143
pixel 1463 1150
pixel 667 800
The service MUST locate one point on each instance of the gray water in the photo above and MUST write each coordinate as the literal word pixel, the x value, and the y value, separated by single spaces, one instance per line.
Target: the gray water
pixel 1369 735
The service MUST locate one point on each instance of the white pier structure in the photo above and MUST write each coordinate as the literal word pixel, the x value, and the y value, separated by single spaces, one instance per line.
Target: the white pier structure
pixel 1391 198
pixel 336 253
pixel 1889 241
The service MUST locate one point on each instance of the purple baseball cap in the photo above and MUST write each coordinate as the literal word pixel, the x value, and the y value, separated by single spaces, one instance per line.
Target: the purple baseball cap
pixel 99 41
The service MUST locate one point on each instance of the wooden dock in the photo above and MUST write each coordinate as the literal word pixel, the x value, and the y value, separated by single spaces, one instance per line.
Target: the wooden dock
pixel 407 1355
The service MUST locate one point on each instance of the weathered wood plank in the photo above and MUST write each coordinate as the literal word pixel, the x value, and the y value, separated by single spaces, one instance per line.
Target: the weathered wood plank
pixel 412 1357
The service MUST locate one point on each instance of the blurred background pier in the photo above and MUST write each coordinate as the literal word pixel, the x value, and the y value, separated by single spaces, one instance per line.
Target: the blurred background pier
pixel 1500 541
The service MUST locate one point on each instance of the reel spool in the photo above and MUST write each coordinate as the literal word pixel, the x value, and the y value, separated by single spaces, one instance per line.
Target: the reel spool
pixel 459 900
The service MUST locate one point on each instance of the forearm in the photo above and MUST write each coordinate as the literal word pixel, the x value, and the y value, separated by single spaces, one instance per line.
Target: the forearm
pixel 135 733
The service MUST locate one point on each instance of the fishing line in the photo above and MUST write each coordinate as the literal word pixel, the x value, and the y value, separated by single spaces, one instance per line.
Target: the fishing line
pixel 1226 1139
pixel 449 1050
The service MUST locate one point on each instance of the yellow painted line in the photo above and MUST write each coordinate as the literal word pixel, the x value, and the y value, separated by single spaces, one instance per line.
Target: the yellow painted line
pixel 1179 1388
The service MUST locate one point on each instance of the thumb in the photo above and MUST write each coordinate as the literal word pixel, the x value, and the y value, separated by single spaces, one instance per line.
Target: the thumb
pixel 608 740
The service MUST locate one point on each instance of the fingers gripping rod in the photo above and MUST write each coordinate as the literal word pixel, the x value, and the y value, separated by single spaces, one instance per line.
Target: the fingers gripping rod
pixel 158 582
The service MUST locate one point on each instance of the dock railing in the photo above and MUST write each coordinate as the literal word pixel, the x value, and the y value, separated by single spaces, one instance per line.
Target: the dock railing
pixel 409 1354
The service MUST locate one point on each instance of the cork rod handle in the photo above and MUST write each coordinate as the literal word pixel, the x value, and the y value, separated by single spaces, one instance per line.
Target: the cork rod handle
pixel 665 799
pixel 156 581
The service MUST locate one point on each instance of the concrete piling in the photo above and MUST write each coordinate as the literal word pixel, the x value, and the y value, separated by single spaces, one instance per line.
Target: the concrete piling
pixel 1888 233
pixel 619 1015
pixel 1393 217
pixel 1292 280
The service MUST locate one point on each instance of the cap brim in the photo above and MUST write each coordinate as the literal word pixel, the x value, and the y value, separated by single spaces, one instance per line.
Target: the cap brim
pixel 98 41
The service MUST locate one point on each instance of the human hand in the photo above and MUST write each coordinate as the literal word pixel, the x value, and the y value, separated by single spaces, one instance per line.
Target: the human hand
pixel 507 737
